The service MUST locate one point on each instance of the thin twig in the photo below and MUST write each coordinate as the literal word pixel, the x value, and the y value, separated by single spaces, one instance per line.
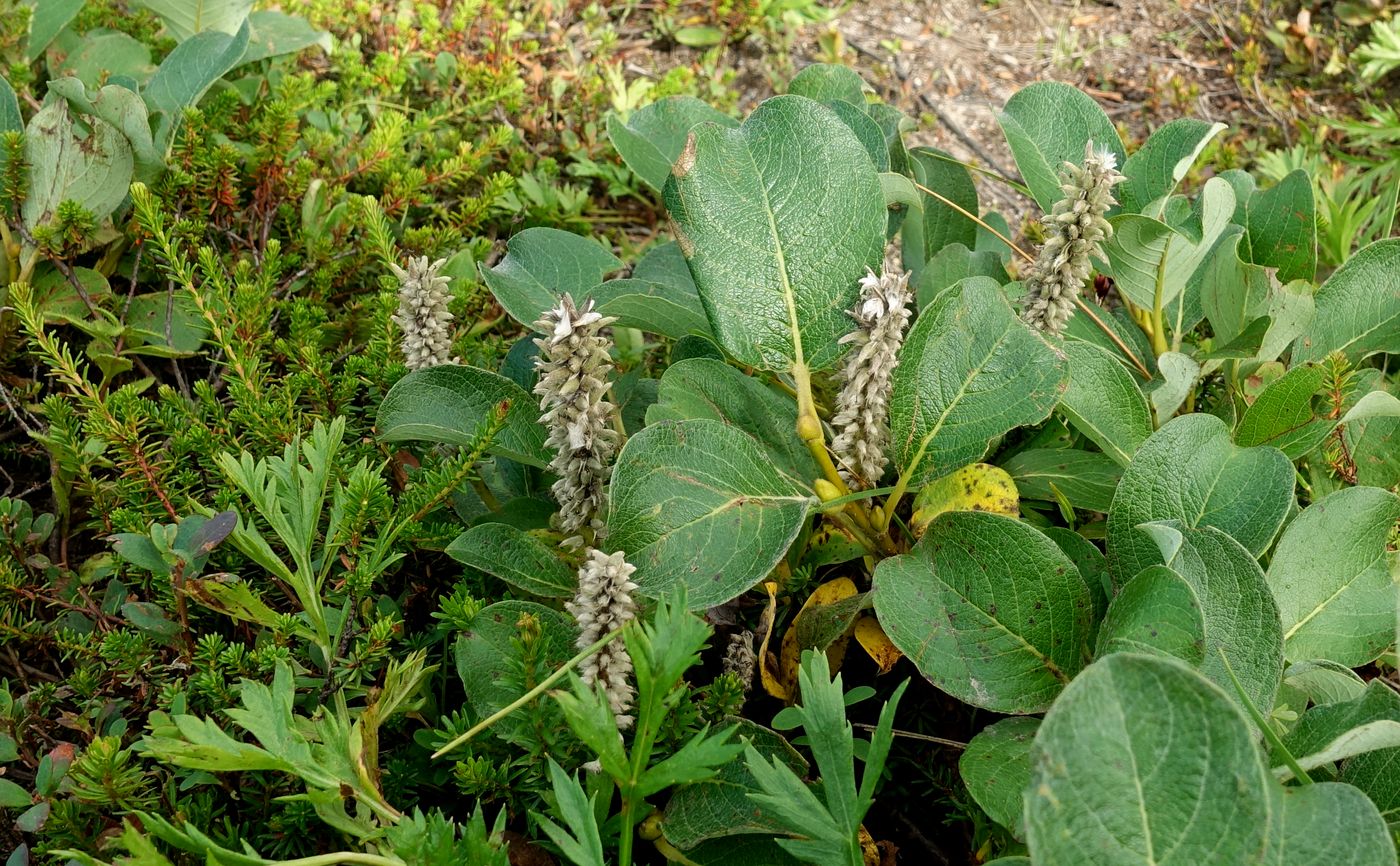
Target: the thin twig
pixel 910 735
pixel 981 222
pixel 1111 334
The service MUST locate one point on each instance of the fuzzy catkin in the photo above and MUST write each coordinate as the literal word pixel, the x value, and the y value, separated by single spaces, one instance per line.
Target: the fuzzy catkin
pixel 1075 231
pixel 862 407
pixel 423 317
pixel 574 363
pixel 603 604
pixel 740 659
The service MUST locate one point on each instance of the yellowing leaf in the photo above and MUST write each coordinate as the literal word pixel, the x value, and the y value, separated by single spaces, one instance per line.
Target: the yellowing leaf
pixel 772 684
pixel 869 849
pixel 872 638
pixel 977 487
pixel 790 657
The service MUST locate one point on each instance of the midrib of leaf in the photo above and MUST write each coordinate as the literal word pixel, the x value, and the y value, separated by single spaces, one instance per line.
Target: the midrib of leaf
pixel 1322 605
pixel 799 359
pixel 1205 502
pixel 952 404
pixel 1137 784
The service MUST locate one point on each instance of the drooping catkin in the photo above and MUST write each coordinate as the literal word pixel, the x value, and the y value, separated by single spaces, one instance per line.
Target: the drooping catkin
pixel 423 317
pixel 862 407
pixel 574 364
pixel 602 604
pixel 1075 231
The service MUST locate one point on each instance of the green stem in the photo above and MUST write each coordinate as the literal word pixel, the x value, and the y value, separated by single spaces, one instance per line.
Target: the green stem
pixel 27 268
pixel 1159 326
pixel 529 696
pixel 487 497
pixel 900 487
pixel 1269 734
pixel 809 430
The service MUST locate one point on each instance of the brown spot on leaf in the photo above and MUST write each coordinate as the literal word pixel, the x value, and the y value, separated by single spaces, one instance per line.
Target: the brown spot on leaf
pixel 686 161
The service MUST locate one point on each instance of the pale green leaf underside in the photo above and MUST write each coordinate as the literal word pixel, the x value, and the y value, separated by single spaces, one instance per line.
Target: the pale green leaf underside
pixel 1190 471
pixel 1331 574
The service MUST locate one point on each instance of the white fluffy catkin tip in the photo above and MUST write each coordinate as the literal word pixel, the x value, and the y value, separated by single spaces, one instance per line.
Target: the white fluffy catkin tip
pixel 1075 231
pixel 603 604
pixel 422 316
pixel 574 364
pixel 862 414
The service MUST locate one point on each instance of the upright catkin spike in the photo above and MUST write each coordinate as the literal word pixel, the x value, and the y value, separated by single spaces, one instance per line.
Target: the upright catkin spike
pixel 602 604
pixel 863 405
pixel 423 315
pixel 574 363
pixel 1075 231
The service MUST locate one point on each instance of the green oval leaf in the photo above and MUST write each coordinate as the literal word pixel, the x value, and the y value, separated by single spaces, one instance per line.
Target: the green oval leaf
pixel 1104 402
pixel 1331 575
pixel 1241 618
pixel 188 72
pixel 651 138
pixel 989 609
pixel 1047 124
pixel 1144 761
pixel 707 388
pixel 778 219
pixel 541 264
pixel 942 224
pixel 651 307
pixel 1281 229
pixel 1190 471
pixel 1154 170
pixel 1331 824
pixel 1283 415
pixel 969 372
pixel 720 807
pixel 996 767
pixel 483 656
pixel 448 404
pixel 700 503
pixel 1358 308
pixel 1086 478
pixel 829 82
pixel 517 557
pixel 1156 612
